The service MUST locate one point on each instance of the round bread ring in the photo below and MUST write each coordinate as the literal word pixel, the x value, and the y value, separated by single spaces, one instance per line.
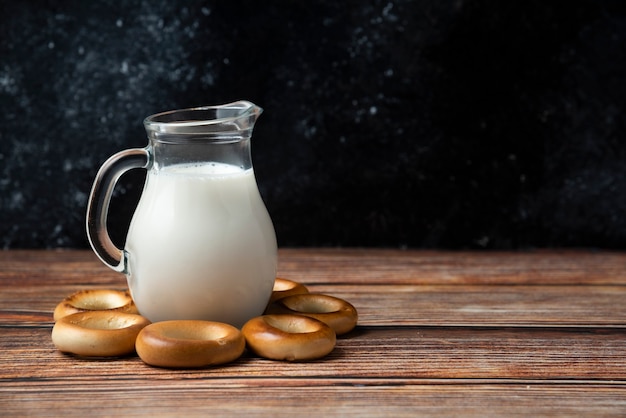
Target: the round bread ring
pixel 95 300
pixel 284 288
pixel 98 333
pixel 189 343
pixel 289 337
pixel 340 315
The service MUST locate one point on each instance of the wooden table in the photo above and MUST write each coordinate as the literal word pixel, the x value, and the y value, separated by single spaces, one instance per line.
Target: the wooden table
pixel 440 333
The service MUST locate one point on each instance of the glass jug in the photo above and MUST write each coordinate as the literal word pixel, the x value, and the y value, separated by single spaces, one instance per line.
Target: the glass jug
pixel 201 244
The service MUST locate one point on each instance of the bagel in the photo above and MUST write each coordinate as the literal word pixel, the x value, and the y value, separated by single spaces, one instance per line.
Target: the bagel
pixel 95 300
pixel 189 343
pixel 98 333
pixel 289 337
pixel 284 288
pixel 337 313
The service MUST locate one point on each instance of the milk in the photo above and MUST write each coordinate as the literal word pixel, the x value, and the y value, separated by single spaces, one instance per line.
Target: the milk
pixel 201 245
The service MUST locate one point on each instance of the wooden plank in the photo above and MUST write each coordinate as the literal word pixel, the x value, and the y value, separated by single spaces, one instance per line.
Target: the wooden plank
pixel 57 267
pixel 486 305
pixel 305 400
pixel 437 267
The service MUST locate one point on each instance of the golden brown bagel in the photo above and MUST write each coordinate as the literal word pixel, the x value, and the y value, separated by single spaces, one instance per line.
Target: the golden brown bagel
pixel 289 337
pixel 98 333
pixel 189 343
pixel 95 300
pixel 284 288
pixel 340 315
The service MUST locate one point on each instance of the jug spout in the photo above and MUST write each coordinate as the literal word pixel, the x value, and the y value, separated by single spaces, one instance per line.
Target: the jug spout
pixel 243 114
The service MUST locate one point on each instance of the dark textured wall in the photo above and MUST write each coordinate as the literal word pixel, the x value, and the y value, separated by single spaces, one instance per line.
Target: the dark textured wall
pixel 430 123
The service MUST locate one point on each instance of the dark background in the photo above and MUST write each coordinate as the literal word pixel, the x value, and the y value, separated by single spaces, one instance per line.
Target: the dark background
pixel 432 123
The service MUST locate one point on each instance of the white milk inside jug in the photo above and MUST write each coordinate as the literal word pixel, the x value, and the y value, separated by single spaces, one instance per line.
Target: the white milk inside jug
pixel 201 245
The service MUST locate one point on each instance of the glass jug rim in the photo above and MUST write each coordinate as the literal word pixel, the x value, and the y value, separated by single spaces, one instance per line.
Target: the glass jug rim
pixel 236 116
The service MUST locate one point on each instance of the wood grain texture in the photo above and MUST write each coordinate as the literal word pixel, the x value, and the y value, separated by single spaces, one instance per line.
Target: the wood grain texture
pixel 472 334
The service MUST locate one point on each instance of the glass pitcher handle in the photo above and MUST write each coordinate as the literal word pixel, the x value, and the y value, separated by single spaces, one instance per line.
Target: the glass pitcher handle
pixel 98 205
